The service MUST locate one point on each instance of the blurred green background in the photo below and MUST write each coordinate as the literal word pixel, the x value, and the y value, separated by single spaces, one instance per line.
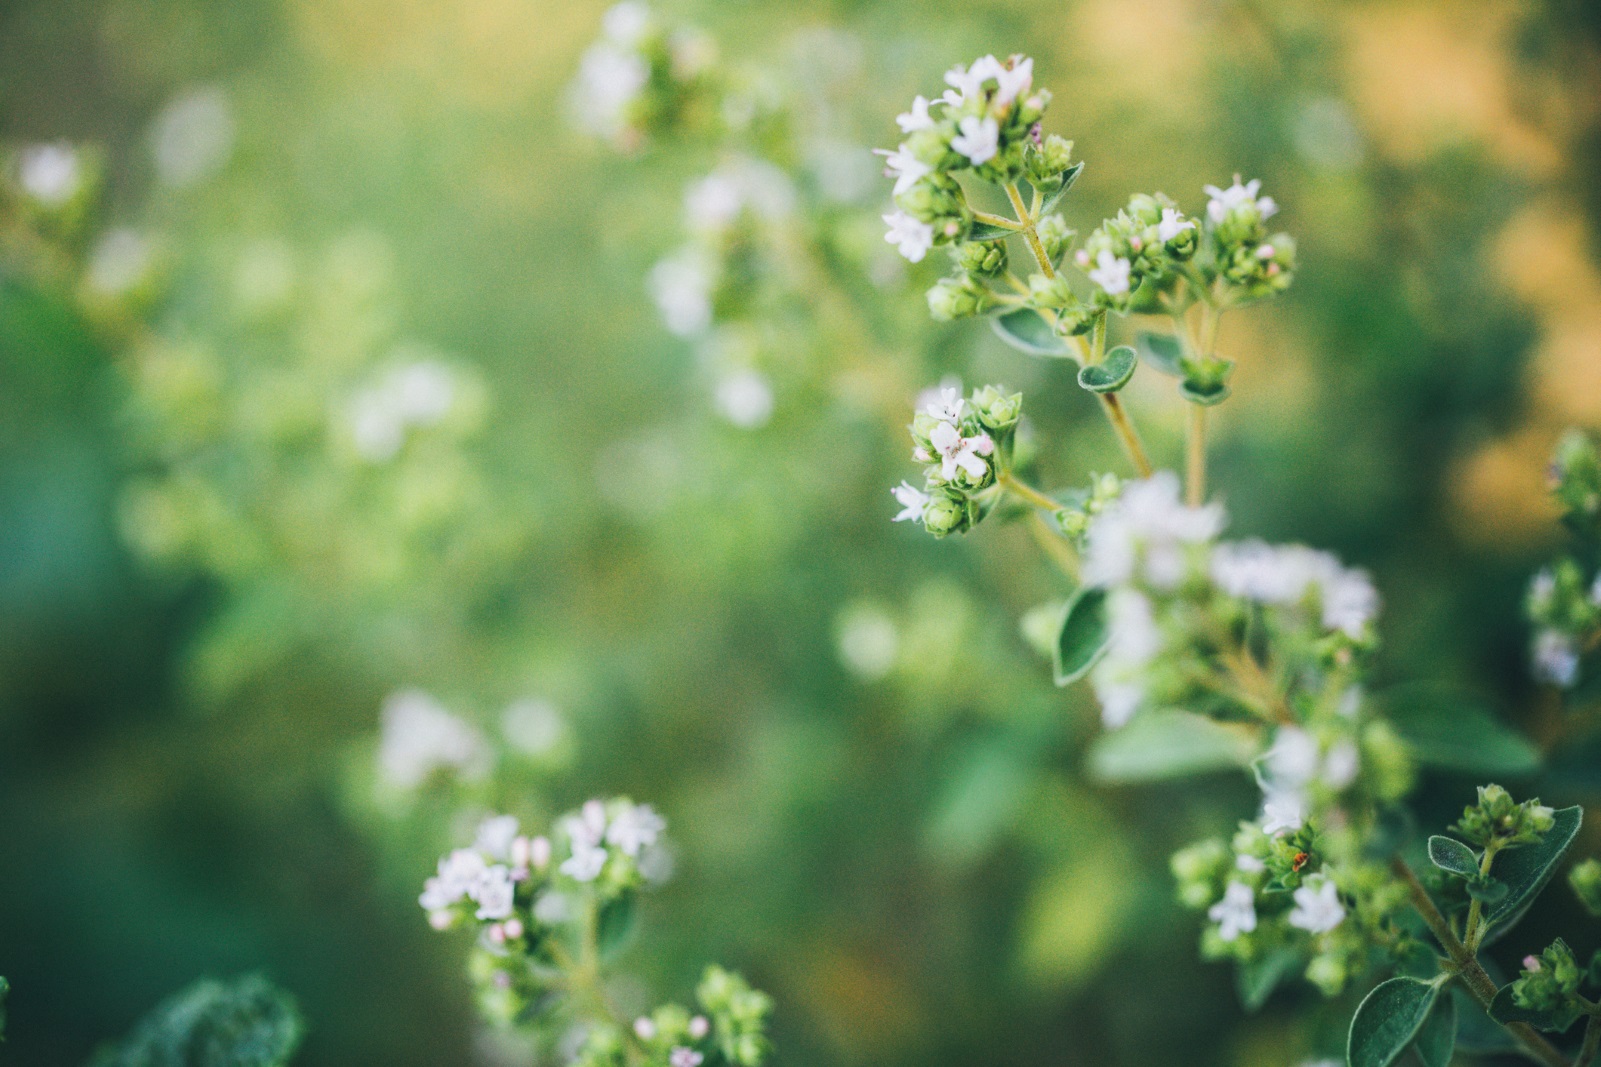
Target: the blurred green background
pixel 880 800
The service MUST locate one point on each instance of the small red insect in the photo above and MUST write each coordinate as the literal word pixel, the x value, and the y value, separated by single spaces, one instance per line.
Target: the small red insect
pixel 1299 861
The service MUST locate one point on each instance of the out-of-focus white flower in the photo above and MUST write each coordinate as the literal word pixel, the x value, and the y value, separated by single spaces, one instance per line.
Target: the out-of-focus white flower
pixel 978 139
pixel 905 168
pixel 419 737
pixel 495 836
pixel 610 79
pixel 1556 658
pixel 458 874
pixel 586 862
pixel 626 24
pixel 1282 811
pixel 912 238
pixel 1235 914
pixel 867 638
pixel 1226 200
pixel 121 260
pixel 968 82
pixel 916 119
pixel 745 399
pixel 1147 522
pixel 1111 273
pixel 1119 700
pixel 495 892
pixel 1284 575
pixel 532 727
pixel 1173 223
pixel 714 202
pixel 912 501
pixel 634 828
pixel 644 1028
pixel 681 1056
pixel 192 137
pixel 681 285
pixel 1249 864
pixel 415 394
pixel 50 173
pixel 1012 82
pixel 1317 906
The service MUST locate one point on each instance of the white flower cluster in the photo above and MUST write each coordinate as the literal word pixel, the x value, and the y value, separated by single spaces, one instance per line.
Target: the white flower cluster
pixel 1225 201
pixel 682 285
pixel 1297 766
pixel 742 184
pixel 408 397
pixel 419 738
pixel 631 829
pixel 52 174
pixel 1286 575
pixel 1565 614
pixel 613 72
pixel 487 874
pixel 951 450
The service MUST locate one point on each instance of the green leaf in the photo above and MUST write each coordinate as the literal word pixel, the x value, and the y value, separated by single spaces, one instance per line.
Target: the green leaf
pixel 1504 1009
pixel 984 231
pixel 1526 870
pixel 1167 744
pixel 1448 731
pixel 246 1022
pixel 1437 1038
pixel 1025 331
pixel 1491 891
pixel 1255 980
pixel 1475 1030
pixel 1203 393
pixel 1162 351
pixel 1112 373
pixel 1387 1021
pixel 1083 636
pixel 615 925
pixel 1449 854
pixel 1069 176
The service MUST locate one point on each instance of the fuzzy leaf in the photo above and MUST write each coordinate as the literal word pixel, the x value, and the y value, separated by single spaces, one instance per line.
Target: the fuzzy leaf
pixel 1162 351
pixel 1437 1038
pixel 1526 870
pixel 1112 373
pixel 246 1022
pixel 1169 744
pixel 1448 731
pixel 1387 1021
pixel 1025 331
pixel 1449 854
pixel 984 231
pixel 1476 1031
pixel 1083 636
pixel 1504 1009
pixel 1054 197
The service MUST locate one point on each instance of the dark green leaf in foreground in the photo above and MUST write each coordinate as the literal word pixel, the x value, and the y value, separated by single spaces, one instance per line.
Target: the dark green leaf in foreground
pixel 1025 331
pixel 1437 1039
pixel 1083 635
pixel 1526 870
pixel 1388 1020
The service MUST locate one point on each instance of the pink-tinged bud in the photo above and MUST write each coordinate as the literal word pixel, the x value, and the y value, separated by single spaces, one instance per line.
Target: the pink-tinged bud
pixel 1531 964
pixel 1272 269
pixel 513 928
pixel 441 919
pixel 983 445
pixel 520 851
pixel 497 934
pixel 539 852
pixel 1082 258
pixel 1265 252
pixel 1136 243
pixel 921 455
pixel 519 874
pixel 699 1027
pixel 953 228
pixel 644 1028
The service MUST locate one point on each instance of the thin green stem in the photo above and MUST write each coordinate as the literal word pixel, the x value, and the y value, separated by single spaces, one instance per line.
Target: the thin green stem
pixel 1471 933
pixel 999 221
pixel 1051 543
pixel 1195 458
pixel 1592 1042
pixel 1466 966
pixel 1028 493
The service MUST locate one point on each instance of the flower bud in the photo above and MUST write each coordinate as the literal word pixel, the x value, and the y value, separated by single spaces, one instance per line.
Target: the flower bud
pixel 539 852
pixel 513 928
pixel 1550 984
pixel 996 410
pixel 982 258
pixel 1328 971
pixel 957 298
pixel 644 1028
pixel 1500 821
pixel 1199 870
pixel 699 1027
pixel 1050 292
pixel 947 513
pixel 1576 480
pixel 1045 162
pixel 935 200
pixel 1055 235
pixel 1585 878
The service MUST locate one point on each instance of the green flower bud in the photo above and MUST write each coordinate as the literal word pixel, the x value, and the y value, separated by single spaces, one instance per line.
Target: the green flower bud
pixel 1046 161
pixel 1050 292
pixel 1585 878
pixel 947 512
pixel 1387 764
pixel 935 200
pixel 983 258
pixel 957 298
pixel 1548 982
pixel 1576 481
pixel 1500 821
pixel 1329 972
pixel 995 409
pixel 1199 871
pixel 1055 235
pixel 933 145
pixel 1075 321
pixel 1145 209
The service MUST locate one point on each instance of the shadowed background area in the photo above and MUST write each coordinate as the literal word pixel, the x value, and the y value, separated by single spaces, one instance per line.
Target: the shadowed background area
pixel 881 803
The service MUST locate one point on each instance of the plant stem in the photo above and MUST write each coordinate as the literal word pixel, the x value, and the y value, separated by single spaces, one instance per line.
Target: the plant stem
pixel 1471 934
pixel 1000 221
pixel 1467 966
pixel 1028 493
pixel 1592 1042
pixel 1195 458
pixel 1051 543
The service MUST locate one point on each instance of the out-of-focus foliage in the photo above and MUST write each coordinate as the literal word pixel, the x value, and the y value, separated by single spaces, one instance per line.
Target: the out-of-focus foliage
pixel 227 533
pixel 242 1023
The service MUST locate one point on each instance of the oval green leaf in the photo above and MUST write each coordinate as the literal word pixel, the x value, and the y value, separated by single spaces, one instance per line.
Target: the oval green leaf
pixel 1170 744
pixel 1162 351
pixel 1449 854
pixel 1054 197
pixel 1204 394
pixel 1112 373
pixel 1526 870
pixel 984 231
pixel 615 925
pixel 1388 1020
pixel 1504 1009
pixel 1025 331
pixel 1436 1041
pixel 1083 636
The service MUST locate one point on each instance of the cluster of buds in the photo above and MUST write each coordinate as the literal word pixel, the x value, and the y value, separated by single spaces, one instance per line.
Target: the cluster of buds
pixel 1239 250
pixel 1132 257
pixel 1549 987
pixel 529 899
pixel 1498 822
pixel 965 444
pixel 1564 599
pixel 640 79
pixel 1080 506
pixel 1576 483
pixel 729 1030
pixel 987 123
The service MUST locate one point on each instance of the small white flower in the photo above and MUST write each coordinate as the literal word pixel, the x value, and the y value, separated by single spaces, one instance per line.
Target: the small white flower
pixel 947 406
pixel 968 82
pixel 978 140
pixel 1317 906
pixel 911 237
pixel 495 893
pixel 50 173
pixel 1148 521
pixel 644 1028
pixel 1556 658
pixel 745 399
pixel 684 1057
pixel 586 862
pixel 1119 700
pixel 634 828
pixel 916 119
pixel 1111 273
pixel 1282 811
pixel 459 873
pixel 1340 764
pixel 610 78
pixel 960 453
pixel 1292 762
pixel 495 836
pixel 1173 223
pixel 905 168
pixel 418 737
pixel 1249 864
pixel 681 285
pixel 1235 914
pixel 1226 200
pixel 1014 81
pixel 626 23
pixel 912 501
